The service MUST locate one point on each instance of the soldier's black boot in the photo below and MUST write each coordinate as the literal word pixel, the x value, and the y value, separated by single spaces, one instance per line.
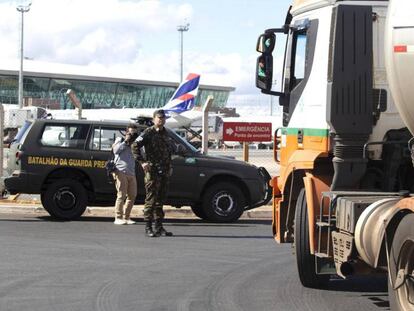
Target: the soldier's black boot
pixel 159 229
pixel 148 229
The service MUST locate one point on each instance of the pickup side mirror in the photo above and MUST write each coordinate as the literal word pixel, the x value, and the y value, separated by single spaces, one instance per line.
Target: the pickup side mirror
pixel 180 150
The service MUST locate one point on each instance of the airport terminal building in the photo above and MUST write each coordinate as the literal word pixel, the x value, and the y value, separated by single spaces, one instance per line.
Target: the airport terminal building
pixel 45 84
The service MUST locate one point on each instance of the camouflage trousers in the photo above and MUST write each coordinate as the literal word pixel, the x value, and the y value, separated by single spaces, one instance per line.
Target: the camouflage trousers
pixel 156 188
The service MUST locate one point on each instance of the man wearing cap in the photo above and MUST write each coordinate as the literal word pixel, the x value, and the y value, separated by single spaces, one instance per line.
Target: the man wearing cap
pixel 158 169
pixel 124 176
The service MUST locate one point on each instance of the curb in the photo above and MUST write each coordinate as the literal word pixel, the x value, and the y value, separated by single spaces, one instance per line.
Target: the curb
pixel 34 207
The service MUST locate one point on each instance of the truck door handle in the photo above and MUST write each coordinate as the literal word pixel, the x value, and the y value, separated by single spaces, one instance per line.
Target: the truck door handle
pixel 276 143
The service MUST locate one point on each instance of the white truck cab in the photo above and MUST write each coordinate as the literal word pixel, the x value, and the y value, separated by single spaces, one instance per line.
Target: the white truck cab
pixel 343 71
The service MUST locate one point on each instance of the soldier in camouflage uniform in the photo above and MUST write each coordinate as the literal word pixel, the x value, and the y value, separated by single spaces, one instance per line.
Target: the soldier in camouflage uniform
pixel 158 169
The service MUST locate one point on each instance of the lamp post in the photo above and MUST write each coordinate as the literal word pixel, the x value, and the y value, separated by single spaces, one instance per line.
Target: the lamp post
pixel 22 9
pixel 181 29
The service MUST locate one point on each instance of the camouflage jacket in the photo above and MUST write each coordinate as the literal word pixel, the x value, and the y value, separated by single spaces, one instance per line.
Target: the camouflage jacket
pixel 157 147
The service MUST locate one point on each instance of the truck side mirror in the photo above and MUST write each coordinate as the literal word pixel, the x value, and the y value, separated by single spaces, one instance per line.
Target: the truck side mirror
pixel 264 66
pixel 266 43
pixel 264 72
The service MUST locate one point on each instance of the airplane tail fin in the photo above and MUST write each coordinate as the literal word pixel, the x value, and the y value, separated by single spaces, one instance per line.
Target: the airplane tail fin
pixel 183 98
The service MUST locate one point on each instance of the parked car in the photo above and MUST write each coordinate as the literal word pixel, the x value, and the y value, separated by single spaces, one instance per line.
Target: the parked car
pixel 64 162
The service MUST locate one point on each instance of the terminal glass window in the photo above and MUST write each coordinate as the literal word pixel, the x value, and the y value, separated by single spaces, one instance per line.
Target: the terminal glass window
pixel 220 98
pixel 8 89
pixel 142 96
pixel 65 136
pixel 50 93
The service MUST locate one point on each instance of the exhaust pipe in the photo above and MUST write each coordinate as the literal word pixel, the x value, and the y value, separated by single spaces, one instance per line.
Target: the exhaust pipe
pixel 349 268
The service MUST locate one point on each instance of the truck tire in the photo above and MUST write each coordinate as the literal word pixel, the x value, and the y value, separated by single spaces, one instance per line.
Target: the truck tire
pixel 65 199
pixel 198 211
pixel 402 259
pixel 304 259
pixel 223 202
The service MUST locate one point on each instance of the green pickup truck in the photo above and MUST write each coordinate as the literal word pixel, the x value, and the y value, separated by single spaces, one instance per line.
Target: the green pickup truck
pixel 64 162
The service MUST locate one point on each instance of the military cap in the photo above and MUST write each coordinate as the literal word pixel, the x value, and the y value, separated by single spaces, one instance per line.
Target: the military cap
pixel 159 113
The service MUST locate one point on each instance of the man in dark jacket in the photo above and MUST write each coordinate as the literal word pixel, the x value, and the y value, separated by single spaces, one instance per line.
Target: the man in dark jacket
pixel 158 169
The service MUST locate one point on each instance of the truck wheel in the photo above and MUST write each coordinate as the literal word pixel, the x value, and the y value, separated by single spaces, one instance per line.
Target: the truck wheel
pixel 402 265
pixel 223 202
pixel 65 199
pixel 198 211
pixel 304 259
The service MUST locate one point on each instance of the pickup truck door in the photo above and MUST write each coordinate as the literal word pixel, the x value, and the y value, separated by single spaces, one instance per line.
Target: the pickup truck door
pixel 100 144
pixel 184 180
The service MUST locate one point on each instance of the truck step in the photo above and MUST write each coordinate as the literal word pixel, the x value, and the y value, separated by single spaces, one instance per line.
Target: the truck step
pixel 321 255
pixel 323 224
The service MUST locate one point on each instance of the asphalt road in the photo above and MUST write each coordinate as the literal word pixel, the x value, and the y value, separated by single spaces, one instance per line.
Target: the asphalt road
pixel 92 264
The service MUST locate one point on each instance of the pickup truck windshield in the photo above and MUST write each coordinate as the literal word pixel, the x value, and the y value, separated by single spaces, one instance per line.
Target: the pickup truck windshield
pixel 183 141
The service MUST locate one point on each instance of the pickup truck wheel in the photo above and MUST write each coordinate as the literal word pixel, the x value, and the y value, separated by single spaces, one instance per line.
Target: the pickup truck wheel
pixel 197 210
pixel 65 199
pixel 304 259
pixel 401 267
pixel 223 202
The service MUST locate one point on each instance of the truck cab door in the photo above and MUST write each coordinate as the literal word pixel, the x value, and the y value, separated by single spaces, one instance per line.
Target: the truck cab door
pixel 300 51
pixel 286 75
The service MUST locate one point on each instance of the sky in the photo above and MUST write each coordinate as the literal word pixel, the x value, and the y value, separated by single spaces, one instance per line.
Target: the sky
pixel 139 39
